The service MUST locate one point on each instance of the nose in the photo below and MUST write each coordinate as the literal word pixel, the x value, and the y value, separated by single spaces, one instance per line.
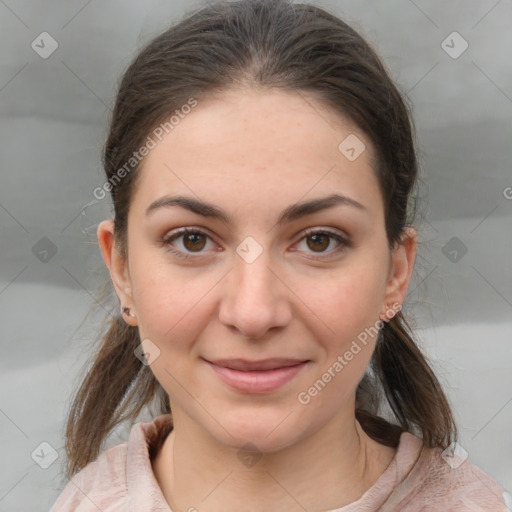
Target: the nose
pixel 255 298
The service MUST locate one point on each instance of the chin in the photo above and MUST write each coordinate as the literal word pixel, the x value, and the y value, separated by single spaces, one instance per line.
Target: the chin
pixel 267 432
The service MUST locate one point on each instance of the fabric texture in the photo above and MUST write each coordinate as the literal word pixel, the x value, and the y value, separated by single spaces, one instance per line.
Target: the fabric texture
pixel 121 479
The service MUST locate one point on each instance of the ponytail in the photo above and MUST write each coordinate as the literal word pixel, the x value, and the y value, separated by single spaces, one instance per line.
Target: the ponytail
pixel 413 392
pixel 115 389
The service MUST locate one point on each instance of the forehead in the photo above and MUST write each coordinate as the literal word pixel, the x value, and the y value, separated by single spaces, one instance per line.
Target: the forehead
pixel 259 147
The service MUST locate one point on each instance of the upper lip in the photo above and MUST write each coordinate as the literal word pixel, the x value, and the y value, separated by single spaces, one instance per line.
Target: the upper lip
pixel 265 364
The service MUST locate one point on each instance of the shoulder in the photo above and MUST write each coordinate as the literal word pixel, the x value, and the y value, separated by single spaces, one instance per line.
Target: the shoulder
pixel 440 480
pixel 120 476
pixel 101 484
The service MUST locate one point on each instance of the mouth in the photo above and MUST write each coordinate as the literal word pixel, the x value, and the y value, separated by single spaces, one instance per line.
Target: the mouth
pixel 262 376
pixel 245 365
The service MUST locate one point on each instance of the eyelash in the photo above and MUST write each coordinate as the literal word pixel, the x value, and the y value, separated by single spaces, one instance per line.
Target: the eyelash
pixel 167 241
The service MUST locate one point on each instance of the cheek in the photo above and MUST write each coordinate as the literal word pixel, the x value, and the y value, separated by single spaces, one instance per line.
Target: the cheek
pixel 345 303
pixel 350 309
pixel 173 313
pixel 172 303
pixel 170 313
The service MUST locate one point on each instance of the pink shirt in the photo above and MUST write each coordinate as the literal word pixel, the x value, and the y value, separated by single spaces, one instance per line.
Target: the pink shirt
pixel 121 479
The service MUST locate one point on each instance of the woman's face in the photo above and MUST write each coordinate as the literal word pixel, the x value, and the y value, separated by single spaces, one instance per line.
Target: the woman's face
pixel 261 279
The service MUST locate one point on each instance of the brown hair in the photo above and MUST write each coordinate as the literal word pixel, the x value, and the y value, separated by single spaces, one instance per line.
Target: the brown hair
pixel 263 43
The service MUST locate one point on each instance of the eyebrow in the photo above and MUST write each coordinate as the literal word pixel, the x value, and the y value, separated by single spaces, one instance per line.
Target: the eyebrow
pixel 292 212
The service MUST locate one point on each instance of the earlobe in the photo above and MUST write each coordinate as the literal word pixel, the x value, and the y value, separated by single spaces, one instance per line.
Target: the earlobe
pixel 117 267
pixel 401 267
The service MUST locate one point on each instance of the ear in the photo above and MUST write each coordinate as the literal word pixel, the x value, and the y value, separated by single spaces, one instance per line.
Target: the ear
pixel 118 268
pixel 400 272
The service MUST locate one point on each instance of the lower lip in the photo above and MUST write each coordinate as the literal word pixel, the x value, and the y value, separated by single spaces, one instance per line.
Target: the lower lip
pixel 264 381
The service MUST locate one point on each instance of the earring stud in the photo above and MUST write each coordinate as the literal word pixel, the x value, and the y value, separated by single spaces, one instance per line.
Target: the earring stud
pixel 128 311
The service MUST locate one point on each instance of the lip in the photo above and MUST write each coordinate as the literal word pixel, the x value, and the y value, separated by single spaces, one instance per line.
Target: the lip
pixel 263 376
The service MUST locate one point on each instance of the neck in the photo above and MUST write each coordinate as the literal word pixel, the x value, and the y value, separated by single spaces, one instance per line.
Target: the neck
pixel 327 470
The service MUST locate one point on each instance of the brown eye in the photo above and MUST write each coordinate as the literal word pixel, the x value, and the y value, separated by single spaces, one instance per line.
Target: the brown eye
pixel 193 241
pixel 185 242
pixel 319 242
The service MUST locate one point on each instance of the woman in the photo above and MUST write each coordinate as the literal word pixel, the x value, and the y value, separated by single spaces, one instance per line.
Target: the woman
pixel 261 163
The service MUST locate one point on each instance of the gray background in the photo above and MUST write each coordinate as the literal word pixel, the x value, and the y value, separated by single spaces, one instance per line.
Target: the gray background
pixel 53 119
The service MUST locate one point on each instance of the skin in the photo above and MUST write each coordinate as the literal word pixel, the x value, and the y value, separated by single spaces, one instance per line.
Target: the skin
pixel 253 153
